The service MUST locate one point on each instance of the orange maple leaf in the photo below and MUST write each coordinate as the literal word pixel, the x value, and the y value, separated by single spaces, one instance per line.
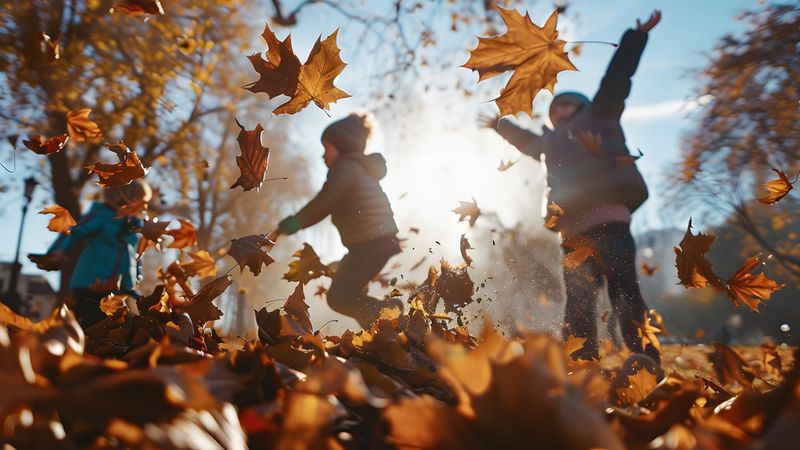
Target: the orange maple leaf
pixel 534 53
pixel 152 232
pixel 282 74
pixel 468 209
pixel 62 221
pixel 315 82
pixel 80 128
pixel 185 236
pixel 253 160
pixel 751 290
pixel 694 270
pixel 777 189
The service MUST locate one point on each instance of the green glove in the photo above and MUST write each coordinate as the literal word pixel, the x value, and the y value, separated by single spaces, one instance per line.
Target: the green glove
pixel 290 225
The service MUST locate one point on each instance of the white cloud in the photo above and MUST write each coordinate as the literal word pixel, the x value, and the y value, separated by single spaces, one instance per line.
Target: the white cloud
pixel 663 110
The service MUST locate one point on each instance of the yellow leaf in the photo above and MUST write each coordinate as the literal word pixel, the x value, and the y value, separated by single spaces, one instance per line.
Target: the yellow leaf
pixel 534 53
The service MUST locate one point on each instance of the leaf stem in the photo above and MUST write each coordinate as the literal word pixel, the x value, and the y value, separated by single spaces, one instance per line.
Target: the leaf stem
pixel 594 42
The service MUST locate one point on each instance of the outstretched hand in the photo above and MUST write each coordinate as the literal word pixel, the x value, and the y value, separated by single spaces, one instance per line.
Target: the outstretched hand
pixel 652 21
pixel 489 121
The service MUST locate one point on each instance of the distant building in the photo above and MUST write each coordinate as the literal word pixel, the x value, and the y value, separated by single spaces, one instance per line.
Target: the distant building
pixel 36 293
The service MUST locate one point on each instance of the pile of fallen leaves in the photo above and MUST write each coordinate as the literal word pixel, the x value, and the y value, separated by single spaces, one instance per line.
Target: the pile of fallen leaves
pixel 412 380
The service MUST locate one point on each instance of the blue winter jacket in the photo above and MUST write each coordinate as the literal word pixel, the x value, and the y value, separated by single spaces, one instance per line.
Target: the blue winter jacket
pixel 110 247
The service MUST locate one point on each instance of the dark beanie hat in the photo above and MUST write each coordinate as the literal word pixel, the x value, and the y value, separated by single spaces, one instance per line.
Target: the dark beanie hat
pixel 348 135
pixel 570 97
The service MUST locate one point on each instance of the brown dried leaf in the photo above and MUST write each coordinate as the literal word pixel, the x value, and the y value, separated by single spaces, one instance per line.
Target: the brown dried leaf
pixel 777 189
pixel 138 7
pixel 41 146
pixel 307 267
pixel 748 289
pixel 468 209
pixel 253 160
pixel 200 307
pixel 465 245
pixel 694 270
pixel 80 128
pixel 185 236
pixel 62 220
pixel 129 167
pixel 250 251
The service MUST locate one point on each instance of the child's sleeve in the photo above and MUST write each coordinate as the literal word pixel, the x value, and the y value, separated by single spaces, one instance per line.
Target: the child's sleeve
pixel 88 225
pixel 337 184
pixel 609 101
pixel 525 140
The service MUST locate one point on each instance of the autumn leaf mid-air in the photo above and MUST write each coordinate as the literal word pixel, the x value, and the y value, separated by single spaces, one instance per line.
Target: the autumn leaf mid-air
pixel 533 53
pixel 282 74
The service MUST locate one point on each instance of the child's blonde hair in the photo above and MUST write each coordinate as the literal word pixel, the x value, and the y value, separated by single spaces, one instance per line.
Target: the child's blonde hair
pixel 119 196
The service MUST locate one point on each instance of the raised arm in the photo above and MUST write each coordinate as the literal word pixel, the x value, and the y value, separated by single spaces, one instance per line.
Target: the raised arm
pixel 524 140
pixel 337 184
pixel 609 101
pixel 88 225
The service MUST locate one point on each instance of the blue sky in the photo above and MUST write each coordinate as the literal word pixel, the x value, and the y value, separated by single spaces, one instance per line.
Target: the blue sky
pixel 654 120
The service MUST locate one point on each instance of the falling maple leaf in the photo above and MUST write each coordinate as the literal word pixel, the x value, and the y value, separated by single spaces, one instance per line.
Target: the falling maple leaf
pixel 647 332
pixel 249 251
pixel 648 270
pixel 137 7
pixel 128 168
pixel 253 160
pixel 152 232
pixel 297 308
pixel 592 141
pixel 202 265
pixel 554 214
pixel 282 74
pixel 307 267
pixel 46 146
pixel 694 270
pixel 505 165
pixel 280 70
pixel 748 289
pixel 468 209
pixel 465 245
pixel 62 220
pixel 315 82
pixel 200 307
pixel 321 291
pixel 185 236
pixel 777 189
pixel 534 53
pixel 80 128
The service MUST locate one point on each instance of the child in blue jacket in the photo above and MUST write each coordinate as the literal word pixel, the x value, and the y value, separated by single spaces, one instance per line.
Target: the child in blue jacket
pixel 109 252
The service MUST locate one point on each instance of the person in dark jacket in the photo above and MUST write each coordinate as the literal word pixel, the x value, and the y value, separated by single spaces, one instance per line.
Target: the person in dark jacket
pixel 593 177
pixel 109 253
pixel 360 210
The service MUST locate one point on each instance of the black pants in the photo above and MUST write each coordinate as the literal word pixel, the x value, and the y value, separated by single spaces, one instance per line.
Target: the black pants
pixel 613 258
pixel 87 306
pixel 347 294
